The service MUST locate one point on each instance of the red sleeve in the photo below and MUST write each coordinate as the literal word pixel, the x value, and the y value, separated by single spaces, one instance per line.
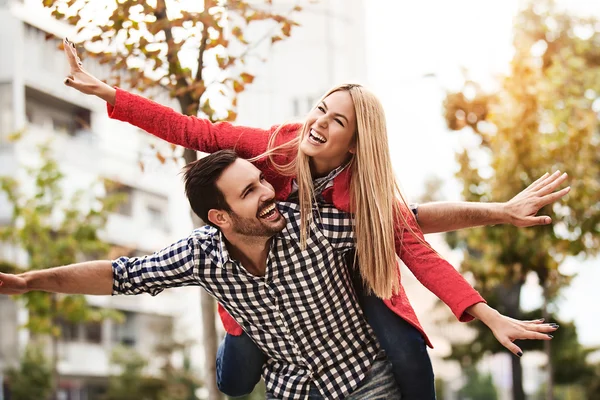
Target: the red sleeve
pixel 435 273
pixel 187 131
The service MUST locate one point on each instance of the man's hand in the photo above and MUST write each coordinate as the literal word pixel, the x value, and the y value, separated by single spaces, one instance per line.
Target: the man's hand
pixel 82 80
pixel 12 284
pixel 521 210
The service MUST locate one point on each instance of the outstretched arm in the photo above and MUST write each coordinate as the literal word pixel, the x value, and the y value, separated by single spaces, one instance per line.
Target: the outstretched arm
pixel 164 122
pixel 520 211
pixel 92 277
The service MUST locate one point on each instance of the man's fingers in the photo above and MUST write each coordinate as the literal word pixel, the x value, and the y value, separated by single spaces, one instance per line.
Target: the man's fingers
pixel 552 197
pixel 552 184
pixel 526 222
pixel 539 182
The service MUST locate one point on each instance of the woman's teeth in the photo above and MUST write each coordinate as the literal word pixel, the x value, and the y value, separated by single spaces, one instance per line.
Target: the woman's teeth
pixel 315 136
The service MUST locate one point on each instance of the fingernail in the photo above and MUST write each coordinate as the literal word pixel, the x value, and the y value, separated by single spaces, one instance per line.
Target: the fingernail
pixel 554 325
pixel 66 81
pixel 550 336
pixel 73 44
pixel 541 319
pixel 520 353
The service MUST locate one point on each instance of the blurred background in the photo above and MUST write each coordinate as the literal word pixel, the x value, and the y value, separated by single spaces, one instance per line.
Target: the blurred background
pixel 481 97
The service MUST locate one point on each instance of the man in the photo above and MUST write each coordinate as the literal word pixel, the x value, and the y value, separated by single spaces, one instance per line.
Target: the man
pixel 297 305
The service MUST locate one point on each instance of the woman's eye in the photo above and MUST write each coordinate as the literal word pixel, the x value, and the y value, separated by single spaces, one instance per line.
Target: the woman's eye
pixel 321 108
pixel 339 121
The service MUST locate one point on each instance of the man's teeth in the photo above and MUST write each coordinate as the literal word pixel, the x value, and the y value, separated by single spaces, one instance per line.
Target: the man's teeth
pixel 267 210
pixel 317 136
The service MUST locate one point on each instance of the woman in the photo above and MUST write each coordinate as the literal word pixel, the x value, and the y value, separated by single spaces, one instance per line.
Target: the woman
pixel 339 155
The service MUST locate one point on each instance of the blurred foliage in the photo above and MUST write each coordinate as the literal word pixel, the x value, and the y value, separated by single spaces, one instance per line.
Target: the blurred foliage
pixel 478 386
pixel 542 117
pixel 32 380
pixel 173 383
pixel 198 52
pixel 53 229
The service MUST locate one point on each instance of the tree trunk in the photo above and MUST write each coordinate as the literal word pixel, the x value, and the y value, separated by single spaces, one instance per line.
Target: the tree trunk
pixel 54 346
pixel 209 328
pixel 517 378
pixel 510 300
pixel 548 351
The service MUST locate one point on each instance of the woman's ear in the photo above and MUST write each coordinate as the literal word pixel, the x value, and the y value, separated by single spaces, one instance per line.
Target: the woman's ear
pixel 219 218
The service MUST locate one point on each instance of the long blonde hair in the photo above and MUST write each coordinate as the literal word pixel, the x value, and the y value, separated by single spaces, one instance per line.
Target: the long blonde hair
pixel 375 197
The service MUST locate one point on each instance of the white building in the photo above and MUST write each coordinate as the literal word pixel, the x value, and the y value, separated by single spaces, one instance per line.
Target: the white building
pixel 88 146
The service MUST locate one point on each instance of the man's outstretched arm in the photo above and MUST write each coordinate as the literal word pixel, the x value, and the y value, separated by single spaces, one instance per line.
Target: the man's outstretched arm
pixel 520 211
pixel 92 277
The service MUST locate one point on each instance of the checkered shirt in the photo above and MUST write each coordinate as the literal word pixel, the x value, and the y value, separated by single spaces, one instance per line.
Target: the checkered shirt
pixel 303 313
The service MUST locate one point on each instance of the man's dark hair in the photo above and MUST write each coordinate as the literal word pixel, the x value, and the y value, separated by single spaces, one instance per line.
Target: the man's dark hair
pixel 200 179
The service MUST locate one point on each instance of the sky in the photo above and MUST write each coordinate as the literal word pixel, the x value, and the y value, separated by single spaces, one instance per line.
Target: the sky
pixel 417 50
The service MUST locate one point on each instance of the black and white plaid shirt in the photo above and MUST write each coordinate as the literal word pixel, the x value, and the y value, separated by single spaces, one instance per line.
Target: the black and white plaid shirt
pixel 303 313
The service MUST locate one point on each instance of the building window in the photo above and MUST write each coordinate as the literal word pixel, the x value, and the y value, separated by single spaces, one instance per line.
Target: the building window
pixel 126 332
pixel 157 218
pixel 69 332
pixel 93 332
pixel 47 111
pixel 125 194
pixel 302 105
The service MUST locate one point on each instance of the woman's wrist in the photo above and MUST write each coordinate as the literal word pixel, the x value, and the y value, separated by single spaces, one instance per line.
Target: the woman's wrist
pixel 483 312
pixel 106 93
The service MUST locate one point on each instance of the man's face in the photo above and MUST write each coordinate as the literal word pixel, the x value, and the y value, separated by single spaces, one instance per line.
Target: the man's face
pixel 251 199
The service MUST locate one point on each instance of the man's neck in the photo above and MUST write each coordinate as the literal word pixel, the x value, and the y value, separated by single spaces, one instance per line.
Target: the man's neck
pixel 251 252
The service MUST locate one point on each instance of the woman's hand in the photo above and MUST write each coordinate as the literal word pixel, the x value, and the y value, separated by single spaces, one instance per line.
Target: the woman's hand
pixel 507 330
pixel 82 80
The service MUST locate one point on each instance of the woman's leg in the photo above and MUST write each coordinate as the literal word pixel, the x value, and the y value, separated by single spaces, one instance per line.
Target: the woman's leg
pixel 405 348
pixel 239 365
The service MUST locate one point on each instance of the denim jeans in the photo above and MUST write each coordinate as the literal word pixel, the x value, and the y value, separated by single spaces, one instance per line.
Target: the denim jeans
pixel 239 365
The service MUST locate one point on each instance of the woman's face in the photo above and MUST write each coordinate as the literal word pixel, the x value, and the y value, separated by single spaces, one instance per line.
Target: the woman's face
pixel 330 140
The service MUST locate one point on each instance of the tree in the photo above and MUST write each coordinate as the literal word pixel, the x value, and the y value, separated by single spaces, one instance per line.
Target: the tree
pixel 199 56
pixel 173 383
pixel 33 379
pixel 131 383
pixel 54 229
pixel 543 116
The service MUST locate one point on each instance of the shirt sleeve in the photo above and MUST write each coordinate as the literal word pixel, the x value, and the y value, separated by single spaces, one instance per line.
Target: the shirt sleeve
pixel 435 273
pixel 173 266
pixel 337 226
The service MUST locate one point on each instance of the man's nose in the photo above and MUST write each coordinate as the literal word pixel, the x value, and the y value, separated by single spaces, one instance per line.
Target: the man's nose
pixel 268 192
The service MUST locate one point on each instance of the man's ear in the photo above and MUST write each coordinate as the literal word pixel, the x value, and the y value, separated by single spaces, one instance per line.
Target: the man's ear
pixel 219 218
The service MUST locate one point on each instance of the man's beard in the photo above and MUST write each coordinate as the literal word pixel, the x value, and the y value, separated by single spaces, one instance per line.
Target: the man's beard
pixel 254 227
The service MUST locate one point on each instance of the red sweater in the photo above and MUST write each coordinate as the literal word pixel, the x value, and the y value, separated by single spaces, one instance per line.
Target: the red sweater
pixel 429 268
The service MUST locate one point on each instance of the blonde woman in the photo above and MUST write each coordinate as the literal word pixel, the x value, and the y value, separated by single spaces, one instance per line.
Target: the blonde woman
pixel 340 155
